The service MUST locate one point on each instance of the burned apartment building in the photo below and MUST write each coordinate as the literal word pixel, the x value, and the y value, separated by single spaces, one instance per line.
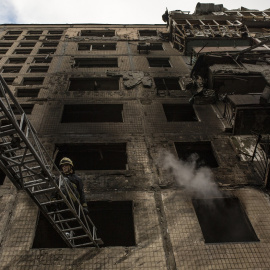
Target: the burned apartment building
pixel 168 127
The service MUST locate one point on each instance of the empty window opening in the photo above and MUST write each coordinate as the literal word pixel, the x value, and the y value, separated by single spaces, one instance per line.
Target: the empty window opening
pixel 16 60
pixel 46 236
pixel 10 37
pixel 46 51
pixel 150 46
pixel 159 62
pixel 50 44
pixel 9 81
pixel 78 113
pixel 98 33
pixel 42 60
pixel 96 46
pixel 167 83
pixel 14 32
pixel 5 44
pixel 7 122
pixel 179 112
pixel 28 92
pixel 114 221
pixel 18 51
pixel 37 69
pixel 223 220
pixel 147 33
pixel 93 84
pixel 28 44
pixel 203 151
pixel 11 69
pixel 33 81
pixel 55 32
pixel 94 156
pixel 96 62
pixel 2 177
pixel 3 51
pixel 53 37
pixel 35 32
pixel 28 108
pixel 31 37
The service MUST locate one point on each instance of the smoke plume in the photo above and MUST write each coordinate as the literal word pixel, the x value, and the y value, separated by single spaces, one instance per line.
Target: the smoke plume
pixel 197 181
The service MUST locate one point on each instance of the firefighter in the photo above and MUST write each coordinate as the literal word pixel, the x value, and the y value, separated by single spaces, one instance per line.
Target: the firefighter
pixel 74 181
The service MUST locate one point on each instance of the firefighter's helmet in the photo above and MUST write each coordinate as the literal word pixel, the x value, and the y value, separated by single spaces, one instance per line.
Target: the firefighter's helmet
pixel 66 160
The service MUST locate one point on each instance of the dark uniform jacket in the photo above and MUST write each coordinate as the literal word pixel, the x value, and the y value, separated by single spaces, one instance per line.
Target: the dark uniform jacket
pixel 77 186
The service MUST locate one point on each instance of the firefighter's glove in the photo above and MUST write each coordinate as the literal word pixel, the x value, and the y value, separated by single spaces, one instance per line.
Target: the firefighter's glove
pixel 85 210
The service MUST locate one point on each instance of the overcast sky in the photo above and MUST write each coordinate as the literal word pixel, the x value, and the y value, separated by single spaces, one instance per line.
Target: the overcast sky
pixel 104 11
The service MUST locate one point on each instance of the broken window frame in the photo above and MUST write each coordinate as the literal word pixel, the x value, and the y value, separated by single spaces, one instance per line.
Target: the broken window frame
pixel 94 84
pixel 57 37
pixel 10 37
pixel 165 83
pixel 49 44
pixel 27 108
pixel 38 69
pixel 26 44
pixel 27 92
pixel 40 60
pixel 92 113
pixel 3 51
pixel 163 62
pixel 32 80
pixel 97 33
pixel 31 37
pixel 46 51
pixel 5 44
pixel 97 46
pixel 13 32
pixel 22 51
pixel 16 60
pixel 35 32
pixel 148 33
pixel 96 62
pixel 55 32
pixel 153 46
pixel 9 80
pixel 11 69
pixel 171 109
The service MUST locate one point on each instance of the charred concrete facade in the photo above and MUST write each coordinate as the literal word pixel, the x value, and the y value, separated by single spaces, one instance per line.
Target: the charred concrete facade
pixel 109 96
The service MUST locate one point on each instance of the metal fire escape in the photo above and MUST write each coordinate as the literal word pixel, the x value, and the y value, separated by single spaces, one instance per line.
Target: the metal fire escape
pixel 27 164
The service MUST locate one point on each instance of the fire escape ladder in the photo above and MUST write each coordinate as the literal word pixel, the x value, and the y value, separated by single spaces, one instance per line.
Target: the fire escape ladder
pixel 27 164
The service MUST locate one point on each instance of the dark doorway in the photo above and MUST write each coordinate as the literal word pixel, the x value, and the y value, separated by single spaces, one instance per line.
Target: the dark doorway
pixel 202 149
pixel 110 156
pixel 223 220
pixel 46 236
pixel 179 112
pixel 114 221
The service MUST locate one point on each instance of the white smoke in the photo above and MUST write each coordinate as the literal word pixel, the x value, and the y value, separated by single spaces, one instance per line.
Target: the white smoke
pixel 197 181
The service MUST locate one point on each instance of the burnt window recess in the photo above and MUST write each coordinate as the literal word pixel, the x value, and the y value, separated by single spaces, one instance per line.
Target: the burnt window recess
pixel 5 44
pixel 28 92
pixel 109 156
pixel 33 81
pixel 14 32
pixel 3 51
pixel 16 60
pixel 98 33
pixel 55 32
pixel 34 32
pixel 46 51
pixel 10 37
pixel 96 46
pixel 9 81
pixel 93 84
pixel 27 44
pixel 224 220
pixel 37 69
pixel 96 62
pixel 150 46
pixel 53 37
pixel 167 83
pixel 2 177
pixel 50 44
pixel 202 150
pixel 147 33
pixel 22 51
pixel 31 37
pixel 42 60
pixel 116 217
pixel 9 69
pixel 52 239
pixel 179 112
pixel 159 62
pixel 28 108
pixel 80 113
